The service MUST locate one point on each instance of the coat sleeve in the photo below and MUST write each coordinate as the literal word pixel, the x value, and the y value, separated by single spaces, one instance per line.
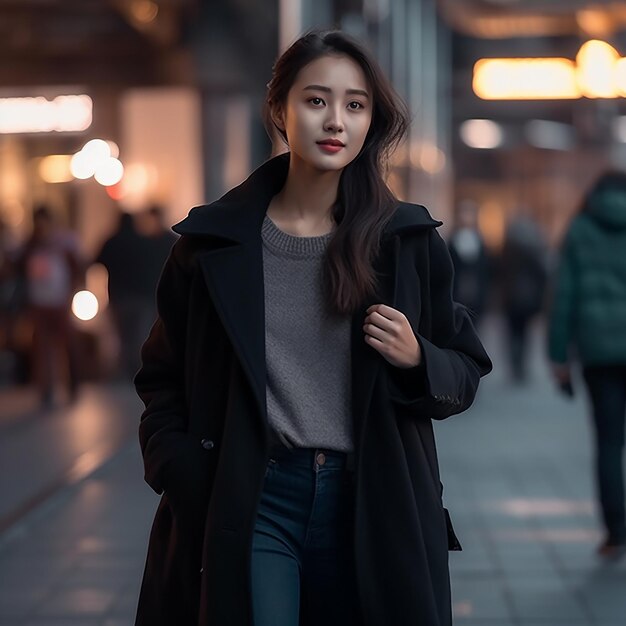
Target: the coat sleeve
pixel 169 452
pixel 453 358
pixel 561 318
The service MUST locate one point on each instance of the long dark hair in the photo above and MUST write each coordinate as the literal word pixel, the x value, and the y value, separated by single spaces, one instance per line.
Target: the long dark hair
pixel 364 201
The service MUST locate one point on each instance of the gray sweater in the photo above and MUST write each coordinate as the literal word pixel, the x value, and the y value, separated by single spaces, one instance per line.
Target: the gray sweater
pixel 307 348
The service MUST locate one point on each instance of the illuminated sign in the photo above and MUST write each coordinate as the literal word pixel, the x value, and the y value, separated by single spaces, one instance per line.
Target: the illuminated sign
pixel 598 72
pixel 40 115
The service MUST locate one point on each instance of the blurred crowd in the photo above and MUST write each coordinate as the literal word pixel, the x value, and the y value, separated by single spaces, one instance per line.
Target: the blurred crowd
pixel 41 340
pixel 580 290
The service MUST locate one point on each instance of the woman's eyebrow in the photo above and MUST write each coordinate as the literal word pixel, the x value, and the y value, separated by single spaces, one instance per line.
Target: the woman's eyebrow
pixel 355 92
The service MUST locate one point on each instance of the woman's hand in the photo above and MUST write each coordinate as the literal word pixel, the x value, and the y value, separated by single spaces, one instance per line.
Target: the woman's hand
pixel 388 331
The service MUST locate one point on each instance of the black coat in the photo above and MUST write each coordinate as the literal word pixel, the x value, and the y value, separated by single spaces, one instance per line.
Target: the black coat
pixel 204 432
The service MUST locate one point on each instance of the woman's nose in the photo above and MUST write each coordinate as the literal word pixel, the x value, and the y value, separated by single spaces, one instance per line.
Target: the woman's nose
pixel 334 123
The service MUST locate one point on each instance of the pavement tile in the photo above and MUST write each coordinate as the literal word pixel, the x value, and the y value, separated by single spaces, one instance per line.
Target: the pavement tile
pixel 16 602
pixel 479 599
pixel 125 603
pixel 78 601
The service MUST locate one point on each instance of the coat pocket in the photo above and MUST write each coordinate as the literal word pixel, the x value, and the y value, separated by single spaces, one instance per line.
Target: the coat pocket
pixel 186 483
pixel 453 542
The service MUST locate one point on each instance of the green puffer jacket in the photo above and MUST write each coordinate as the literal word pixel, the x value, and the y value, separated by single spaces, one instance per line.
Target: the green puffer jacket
pixel 589 301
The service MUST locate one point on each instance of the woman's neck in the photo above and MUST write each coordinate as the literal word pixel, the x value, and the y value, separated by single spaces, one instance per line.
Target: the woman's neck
pixel 303 206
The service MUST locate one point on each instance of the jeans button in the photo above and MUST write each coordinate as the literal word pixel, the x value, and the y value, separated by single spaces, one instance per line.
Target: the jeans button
pixel 321 458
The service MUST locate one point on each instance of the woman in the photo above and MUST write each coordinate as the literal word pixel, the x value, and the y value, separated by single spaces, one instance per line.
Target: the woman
pixel 588 322
pixel 292 374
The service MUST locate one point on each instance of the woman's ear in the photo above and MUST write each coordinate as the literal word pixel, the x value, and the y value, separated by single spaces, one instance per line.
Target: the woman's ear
pixel 276 111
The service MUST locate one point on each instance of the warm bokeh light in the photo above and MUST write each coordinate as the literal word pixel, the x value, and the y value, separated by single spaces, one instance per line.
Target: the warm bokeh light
pixel 109 171
pixel 144 11
pixel 482 134
pixel 98 158
pixel 596 64
pixel 139 184
pixel 85 305
pixel 619 76
pixel 97 149
pixel 492 223
pixel 595 22
pixel 115 192
pixel 598 72
pixel 82 165
pixel 114 150
pixel 56 168
pixel 432 159
pixel 525 79
pixel 40 115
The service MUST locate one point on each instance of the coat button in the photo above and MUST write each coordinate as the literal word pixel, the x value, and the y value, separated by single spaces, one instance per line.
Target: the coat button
pixel 207 444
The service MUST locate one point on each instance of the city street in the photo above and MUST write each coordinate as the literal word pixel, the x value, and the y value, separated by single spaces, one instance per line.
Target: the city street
pixel 75 512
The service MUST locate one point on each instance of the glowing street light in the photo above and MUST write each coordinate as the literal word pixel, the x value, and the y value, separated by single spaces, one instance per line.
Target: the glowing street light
pixel 481 134
pixel 109 172
pixel 85 305
pixel 598 72
pixel 98 158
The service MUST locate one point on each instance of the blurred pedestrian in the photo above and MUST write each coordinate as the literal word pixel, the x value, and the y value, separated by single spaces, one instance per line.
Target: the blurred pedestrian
pixel 8 303
pixel 133 267
pixel 523 277
pixel 588 324
pixel 51 270
pixel 292 374
pixel 160 240
pixel 471 261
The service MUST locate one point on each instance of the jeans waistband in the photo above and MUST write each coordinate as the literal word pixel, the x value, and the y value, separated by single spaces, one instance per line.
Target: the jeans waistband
pixel 305 456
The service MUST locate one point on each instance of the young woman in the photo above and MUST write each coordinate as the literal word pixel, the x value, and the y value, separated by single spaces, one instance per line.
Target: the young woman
pixel 306 338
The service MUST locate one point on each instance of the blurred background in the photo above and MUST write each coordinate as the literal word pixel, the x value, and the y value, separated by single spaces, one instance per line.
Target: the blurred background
pixel 118 116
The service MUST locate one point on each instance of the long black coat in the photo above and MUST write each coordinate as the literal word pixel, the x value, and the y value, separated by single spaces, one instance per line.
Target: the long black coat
pixel 204 432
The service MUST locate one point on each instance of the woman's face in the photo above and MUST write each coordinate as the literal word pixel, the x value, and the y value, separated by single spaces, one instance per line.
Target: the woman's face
pixel 330 102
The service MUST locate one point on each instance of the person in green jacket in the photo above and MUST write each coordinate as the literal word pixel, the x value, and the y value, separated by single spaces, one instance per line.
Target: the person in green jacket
pixel 588 324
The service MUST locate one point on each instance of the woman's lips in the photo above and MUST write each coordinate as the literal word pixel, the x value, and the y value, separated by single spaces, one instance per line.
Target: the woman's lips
pixel 330 148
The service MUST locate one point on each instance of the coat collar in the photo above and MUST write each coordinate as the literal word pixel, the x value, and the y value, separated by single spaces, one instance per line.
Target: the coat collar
pixel 231 216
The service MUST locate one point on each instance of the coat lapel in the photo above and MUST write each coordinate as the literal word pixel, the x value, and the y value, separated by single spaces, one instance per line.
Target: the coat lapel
pixel 366 362
pixel 232 268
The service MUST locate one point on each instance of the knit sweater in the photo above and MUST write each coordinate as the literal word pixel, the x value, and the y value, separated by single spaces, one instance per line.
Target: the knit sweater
pixel 307 348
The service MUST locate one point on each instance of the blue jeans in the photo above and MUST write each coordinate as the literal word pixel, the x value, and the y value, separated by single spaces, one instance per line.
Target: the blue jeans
pixel 302 553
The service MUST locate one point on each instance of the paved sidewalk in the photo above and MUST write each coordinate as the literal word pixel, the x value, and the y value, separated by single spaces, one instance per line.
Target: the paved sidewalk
pixel 518 483
pixel 517 470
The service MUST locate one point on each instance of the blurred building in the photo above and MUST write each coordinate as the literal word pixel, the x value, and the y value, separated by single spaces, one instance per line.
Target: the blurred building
pixel 173 90
pixel 177 86
pixel 532 131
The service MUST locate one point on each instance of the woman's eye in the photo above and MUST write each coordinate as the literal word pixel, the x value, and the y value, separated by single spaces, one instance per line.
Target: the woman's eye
pixel 315 101
pixel 357 107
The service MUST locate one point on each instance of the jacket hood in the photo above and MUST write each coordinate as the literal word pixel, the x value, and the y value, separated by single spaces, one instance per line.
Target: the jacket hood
pixel 609 209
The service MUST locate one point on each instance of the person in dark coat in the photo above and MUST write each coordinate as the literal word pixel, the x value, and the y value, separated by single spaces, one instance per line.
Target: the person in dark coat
pixel 133 262
pixel 471 261
pixel 588 325
pixel 306 338
pixel 523 279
